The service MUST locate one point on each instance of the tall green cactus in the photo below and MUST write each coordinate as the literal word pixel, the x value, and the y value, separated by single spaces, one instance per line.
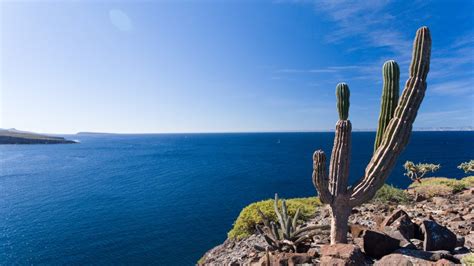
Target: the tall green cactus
pixel 391 87
pixel 343 94
pixel 333 187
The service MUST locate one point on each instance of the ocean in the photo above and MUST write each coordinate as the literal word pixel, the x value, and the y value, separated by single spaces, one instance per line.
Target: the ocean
pixel 165 199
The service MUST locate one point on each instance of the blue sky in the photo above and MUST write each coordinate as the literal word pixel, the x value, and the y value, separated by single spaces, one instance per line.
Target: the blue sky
pixel 220 66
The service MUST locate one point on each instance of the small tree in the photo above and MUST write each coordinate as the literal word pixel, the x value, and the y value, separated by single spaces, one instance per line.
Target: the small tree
pixel 467 167
pixel 417 171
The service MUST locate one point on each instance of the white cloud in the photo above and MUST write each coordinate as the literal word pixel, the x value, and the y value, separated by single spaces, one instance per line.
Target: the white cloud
pixel 453 88
pixel 120 20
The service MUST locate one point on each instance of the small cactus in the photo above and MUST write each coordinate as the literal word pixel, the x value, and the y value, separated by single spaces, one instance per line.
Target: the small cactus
pixel 390 91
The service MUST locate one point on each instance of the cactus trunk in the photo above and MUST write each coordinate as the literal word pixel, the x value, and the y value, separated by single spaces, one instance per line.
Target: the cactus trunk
pixel 339 223
pixel 393 137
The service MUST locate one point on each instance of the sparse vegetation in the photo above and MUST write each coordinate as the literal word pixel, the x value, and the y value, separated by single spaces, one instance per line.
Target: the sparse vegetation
pixel 417 171
pixel 248 218
pixel 467 167
pixel 440 186
pixel 389 193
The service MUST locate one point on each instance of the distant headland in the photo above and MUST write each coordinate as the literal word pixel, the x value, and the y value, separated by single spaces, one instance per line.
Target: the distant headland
pixel 13 136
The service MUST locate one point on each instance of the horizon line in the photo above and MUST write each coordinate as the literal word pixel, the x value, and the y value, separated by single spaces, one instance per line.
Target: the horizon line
pixel 258 132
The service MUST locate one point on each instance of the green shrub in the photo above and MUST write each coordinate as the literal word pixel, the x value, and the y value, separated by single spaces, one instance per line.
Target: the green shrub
pixel 244 226
pixel 469 181
pixel 389 193
pixel 468 260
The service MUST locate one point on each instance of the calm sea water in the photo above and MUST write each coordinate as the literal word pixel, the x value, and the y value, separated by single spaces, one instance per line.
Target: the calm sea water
pixel 166 199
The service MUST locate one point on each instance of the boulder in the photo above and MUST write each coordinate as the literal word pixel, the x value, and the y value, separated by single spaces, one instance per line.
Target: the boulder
pixel 428 255
pixel 401 260
pixel 357 230
pixel 377 244
pixel 469 240
pixel 417 243
pixel 437 237
pixel 399 226
pixel 341 255
pixel 404 242
pixel 444 262
pixel 392 217
pixel 460 240
pixel 417 257
pixel 314 252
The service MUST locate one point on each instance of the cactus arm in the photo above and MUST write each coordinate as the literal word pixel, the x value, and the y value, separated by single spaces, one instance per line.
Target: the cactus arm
pixel 340 158
pixel 390 91
pixel 320 177
pixel 398 131
pixel 343 94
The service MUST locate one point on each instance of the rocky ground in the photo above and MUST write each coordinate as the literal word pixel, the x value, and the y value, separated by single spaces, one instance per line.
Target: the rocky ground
pixel 434 231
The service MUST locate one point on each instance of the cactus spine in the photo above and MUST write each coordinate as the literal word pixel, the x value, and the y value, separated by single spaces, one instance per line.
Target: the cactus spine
pixel 343 94
pixel 333 188
pixel 391 87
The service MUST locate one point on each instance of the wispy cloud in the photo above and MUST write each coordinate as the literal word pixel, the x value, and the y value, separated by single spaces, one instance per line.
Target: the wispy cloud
pixel 359 72
pixel 330 69
pixel 453 88
pixel 437 117
pixel 370 21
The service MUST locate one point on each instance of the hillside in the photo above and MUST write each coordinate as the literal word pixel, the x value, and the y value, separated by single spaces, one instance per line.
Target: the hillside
pixel 13 136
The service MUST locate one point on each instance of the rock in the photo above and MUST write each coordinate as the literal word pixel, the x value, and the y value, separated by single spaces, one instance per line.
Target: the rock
pixel 443 262
pixel 377 244
pixel 399 226
pixel 437 237
pixel 469 240
pixel 428 255
pixel 290 259
pixel 460 240
pixel 439 201
pixel 401 260
pixel 341 254
pixel 391 218
pixel 404 242
pixel 461 252
pixel 417 233
pixel 356 230
pixel 417 243
pixel 313 252
pixel 457 218
pixel 468 217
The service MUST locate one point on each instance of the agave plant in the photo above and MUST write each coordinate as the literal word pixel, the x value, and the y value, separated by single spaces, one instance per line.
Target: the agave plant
pixel 285 235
